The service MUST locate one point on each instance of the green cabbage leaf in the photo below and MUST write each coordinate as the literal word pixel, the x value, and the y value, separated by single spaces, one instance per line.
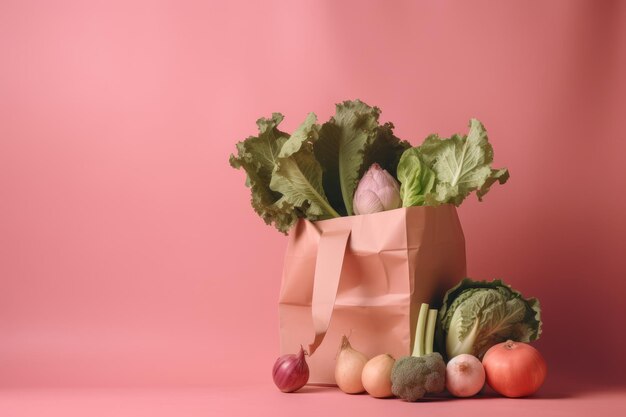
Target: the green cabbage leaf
pixel 257 155
pixel 479 314
pixel 416 178
pixel 341 149
pixel 462 164
pixel 297 175
pixel 314 172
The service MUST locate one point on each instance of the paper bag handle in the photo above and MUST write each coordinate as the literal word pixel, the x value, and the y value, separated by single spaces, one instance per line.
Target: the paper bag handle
pixel 330 254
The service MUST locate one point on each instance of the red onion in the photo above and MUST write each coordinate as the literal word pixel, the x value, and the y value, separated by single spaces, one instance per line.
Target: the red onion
pixel 291 372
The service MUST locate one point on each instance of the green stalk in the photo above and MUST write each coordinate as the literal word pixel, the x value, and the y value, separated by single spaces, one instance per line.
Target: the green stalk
pixel 418 346
pixel 430 331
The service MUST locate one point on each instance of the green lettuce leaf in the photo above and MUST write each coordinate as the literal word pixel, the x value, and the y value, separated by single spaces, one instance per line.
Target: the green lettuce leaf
pixel 386 151
pixel 499 175
pixel 297 175
pixel 462 164
pixel 479 314
pixel 416 178
pixel 341 150
pixel 257 155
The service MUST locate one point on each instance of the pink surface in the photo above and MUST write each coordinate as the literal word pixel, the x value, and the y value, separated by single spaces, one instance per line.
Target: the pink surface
pixel 129 254
pixel 260 399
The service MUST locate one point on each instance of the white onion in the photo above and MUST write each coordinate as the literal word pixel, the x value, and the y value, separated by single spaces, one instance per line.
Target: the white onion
pixel 465 375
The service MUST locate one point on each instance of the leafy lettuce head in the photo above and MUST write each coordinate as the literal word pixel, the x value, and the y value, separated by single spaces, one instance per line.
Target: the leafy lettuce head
pixel 442 171
pixel 479 314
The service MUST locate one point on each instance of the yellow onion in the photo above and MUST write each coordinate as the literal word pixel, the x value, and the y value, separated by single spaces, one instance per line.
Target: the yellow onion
pixel 376 376
pixel 349 368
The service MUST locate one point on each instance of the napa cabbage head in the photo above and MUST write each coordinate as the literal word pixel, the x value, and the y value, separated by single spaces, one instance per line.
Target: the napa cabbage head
pixel 479 314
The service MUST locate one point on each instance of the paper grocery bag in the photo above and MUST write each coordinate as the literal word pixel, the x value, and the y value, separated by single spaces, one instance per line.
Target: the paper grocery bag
pixel 366 276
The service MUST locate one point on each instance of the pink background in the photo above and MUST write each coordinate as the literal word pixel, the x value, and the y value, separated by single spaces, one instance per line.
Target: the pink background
pixel 129 253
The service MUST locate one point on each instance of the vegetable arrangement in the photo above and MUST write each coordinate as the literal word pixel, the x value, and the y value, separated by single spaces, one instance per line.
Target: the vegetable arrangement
pixel 475 318
pixel 352 164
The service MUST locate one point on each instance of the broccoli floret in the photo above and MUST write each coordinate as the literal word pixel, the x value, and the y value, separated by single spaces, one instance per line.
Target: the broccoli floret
pixel 424 372
pixel 412 377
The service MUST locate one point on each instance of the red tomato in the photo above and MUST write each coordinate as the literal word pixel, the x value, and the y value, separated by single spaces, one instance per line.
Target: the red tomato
pixel 514 369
